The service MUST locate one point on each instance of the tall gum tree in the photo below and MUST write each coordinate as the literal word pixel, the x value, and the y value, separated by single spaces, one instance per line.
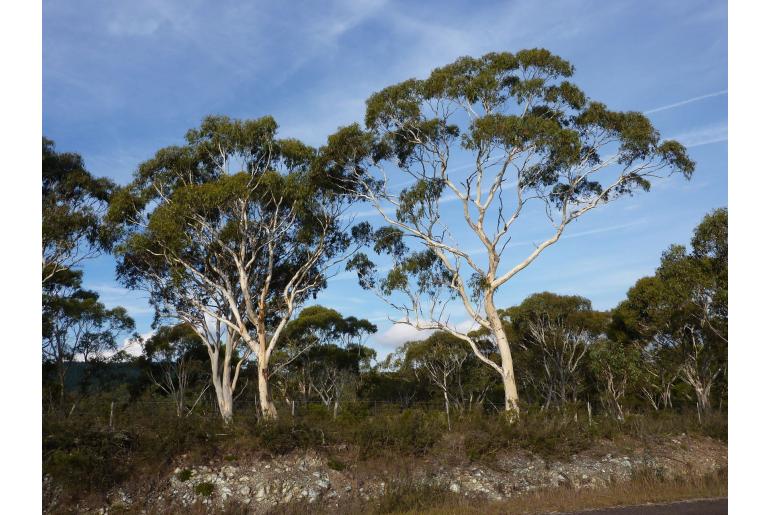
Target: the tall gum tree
pixel 231 233
pixel 522 134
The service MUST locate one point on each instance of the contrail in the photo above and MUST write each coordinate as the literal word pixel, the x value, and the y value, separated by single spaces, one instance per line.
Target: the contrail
pixel 688 101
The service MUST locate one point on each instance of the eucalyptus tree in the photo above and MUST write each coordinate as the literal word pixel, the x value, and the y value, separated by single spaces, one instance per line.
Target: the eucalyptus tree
pixel 616 367
pixel 333 373
pixel 300 363
pixel 231 233
pixel 174 356
pixel 679 316
pixel 76 325
pixel 488 138
pixel 551 335
pixel 73 205
pixel 439 358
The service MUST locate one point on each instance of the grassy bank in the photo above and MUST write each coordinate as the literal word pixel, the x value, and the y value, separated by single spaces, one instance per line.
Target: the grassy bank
pixel 86 457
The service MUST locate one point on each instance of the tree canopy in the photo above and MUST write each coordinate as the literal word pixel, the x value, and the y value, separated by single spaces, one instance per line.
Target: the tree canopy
pixel 74 203
pixel 235 227
pixel 526 135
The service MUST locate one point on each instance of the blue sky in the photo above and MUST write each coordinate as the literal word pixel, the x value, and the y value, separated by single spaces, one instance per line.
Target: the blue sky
pixel 123 79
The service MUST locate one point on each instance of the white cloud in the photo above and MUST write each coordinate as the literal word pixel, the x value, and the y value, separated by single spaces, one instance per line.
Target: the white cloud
pixel 705 135
pixel 132 346
pixel 685 102
pixel 466 326
pixel 398 334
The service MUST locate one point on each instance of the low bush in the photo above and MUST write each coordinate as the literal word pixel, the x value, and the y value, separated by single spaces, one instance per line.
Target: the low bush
pixel 412 431
pixel 88 460
pixel 204 489
pixel 285 435
pixel 85 457
pixel 336 464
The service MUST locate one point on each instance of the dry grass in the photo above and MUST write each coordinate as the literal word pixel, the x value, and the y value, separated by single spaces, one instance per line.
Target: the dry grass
pixel 642 489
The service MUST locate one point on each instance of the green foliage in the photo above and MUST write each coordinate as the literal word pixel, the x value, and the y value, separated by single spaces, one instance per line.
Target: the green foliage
pixel 336 464
pixel 679 316
pixel 552 116
pixel 283 436
pixel 76 324
pixel 167 339
pixel 87 459
pixel 522 123
pixel 192 185
pixel 184 475
pixel 73 205
pixel 550 435
pixel 412 431
pixel 204 489
pixel 321 325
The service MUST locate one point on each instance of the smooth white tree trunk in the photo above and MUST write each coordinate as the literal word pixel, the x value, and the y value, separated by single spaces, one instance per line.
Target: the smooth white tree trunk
pixel 266 406
pixel 506 360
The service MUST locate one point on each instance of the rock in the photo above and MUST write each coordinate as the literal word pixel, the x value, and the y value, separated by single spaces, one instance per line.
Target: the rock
pixel 296 476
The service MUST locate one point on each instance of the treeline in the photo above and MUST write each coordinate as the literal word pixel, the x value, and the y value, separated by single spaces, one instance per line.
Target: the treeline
pixel 232 233
pixel 664 346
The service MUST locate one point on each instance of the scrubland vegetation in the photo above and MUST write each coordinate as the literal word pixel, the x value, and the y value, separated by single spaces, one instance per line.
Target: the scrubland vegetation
pixel 234 233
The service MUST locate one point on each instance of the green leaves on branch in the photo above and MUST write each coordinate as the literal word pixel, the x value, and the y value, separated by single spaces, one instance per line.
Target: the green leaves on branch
pixel 422 269
pixel 73 205
pixel 518 105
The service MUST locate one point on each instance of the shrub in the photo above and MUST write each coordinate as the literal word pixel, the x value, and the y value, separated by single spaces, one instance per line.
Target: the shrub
pixel 413 432
pixel 550 435
pixel 184 475
pixel 205 489
pixel 90 460
pixel 335 464
pixel 283 436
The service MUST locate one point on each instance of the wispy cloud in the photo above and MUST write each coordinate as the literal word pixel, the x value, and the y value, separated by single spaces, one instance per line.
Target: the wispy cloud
pixel 706 135
pixel 567 236
pixel 685 102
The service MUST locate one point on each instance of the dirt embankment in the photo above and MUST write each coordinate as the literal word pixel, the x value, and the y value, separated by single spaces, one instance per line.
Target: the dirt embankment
pixel 336 480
